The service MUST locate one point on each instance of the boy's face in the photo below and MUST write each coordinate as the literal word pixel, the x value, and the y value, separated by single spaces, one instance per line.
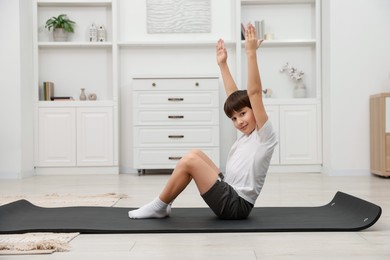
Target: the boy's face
pixel 244 120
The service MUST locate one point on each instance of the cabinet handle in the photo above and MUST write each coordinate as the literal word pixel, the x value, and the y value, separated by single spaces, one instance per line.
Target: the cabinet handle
pixel 175 136
pixel 175 99
pixel 197 84
pixel 174 157
pixel 175 117
pixel 154 84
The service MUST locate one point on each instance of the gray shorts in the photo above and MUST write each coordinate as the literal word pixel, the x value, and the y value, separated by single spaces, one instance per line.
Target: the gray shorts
pixel 225 202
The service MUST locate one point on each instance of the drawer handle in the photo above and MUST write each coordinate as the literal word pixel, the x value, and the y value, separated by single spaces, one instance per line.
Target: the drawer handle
pixel 197 84
pixel 175 117
pixel 174 158
pixel 175 136
pixel 175 99
pixel 154 84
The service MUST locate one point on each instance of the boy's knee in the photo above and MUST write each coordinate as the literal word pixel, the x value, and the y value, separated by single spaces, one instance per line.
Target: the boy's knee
pixel 189 160
pixel 196 152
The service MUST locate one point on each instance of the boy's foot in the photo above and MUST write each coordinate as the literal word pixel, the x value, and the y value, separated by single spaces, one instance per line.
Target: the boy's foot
pixel 154 209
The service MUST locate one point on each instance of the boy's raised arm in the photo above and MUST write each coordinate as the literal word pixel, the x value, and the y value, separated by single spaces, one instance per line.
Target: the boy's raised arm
pixel 228 81
pixel 255 91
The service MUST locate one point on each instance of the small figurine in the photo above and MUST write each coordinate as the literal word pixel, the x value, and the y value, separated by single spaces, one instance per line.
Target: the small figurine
pixel 92 96
pixel 93 33
pixel 267 92
pixel 101 34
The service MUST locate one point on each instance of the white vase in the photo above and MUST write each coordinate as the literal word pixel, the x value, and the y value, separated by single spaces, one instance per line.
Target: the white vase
pixel 300 90
pixel 83 96
pixel 60 35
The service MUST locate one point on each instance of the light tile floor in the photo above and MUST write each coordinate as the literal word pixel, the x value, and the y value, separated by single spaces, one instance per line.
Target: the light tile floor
pixel 280 190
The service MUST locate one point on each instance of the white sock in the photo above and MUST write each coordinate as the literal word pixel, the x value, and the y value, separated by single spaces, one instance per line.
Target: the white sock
pixel 154 209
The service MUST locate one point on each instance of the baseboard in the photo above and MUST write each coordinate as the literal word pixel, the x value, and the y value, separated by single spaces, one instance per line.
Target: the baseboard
pixel 295 168
pixel 76 170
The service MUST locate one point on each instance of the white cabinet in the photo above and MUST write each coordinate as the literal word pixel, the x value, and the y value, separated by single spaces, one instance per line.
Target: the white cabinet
pixel 298 133
pixel 95 137
pixel 81 134
pixel 172 116
pixel 69 136
pixel 56 137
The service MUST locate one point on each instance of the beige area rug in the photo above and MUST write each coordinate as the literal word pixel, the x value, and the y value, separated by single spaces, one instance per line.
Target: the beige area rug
pixel 67 200
pixel 35 243
pixel 47 243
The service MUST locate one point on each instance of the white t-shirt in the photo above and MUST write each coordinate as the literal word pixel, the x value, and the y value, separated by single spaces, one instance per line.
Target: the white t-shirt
pixel 248 162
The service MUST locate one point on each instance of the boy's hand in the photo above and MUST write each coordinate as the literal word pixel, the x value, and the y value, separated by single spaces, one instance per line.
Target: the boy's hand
pixel 251 41
pixel 221 52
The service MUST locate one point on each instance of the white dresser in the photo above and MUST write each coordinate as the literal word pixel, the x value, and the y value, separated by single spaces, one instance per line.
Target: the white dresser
pixel 173 115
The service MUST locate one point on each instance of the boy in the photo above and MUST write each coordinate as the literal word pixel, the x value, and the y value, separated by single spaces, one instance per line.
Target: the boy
pixel 231 196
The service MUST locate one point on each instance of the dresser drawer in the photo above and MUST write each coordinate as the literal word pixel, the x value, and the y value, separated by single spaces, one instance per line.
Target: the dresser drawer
pixel 175 84
pixel 176 117
pixel 173 136
pixel 175 98
pixel 173 115
pixel 167 158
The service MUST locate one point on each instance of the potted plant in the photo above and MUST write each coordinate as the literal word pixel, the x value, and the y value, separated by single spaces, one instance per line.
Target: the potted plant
pixel 61 25
pixel 297 76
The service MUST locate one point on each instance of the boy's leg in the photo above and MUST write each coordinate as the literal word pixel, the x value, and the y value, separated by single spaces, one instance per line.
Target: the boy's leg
pixel 191 166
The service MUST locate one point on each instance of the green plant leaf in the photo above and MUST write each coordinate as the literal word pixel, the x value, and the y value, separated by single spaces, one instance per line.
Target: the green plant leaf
pixel 61 21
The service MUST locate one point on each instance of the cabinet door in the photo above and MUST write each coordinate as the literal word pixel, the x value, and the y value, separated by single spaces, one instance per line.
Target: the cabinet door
pixel 298 134
pixel 56 137
pixel 95 140
pixel 273 116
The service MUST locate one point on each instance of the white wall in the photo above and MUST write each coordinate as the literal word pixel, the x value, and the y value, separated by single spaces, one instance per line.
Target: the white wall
pixel 16 153
pixel 10 89
pixel 27 89
pixel 356 65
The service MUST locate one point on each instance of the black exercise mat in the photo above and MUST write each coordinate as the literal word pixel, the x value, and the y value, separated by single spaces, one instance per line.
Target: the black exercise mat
pixel 343 213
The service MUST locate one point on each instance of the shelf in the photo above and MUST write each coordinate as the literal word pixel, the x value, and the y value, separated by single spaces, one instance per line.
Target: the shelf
pixel 76 103
pixel 172 43
pixel 291 101
pixel 259 2
pixel 74 44
pixel 74 3
pixel 174 76
pixel 297 42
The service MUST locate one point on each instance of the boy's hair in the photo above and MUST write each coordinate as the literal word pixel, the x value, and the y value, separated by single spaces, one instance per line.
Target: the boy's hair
pixel 236 101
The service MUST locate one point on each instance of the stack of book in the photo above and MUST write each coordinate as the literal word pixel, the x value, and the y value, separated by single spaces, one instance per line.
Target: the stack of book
pixel 259 25
pixel 61 98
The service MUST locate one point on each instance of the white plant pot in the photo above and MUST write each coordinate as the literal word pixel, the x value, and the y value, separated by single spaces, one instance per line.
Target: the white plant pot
pixel 60 35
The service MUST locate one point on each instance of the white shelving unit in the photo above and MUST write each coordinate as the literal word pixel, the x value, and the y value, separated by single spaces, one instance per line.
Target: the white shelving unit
pixel 43 45
pixel 130 50
pixel 61 63
pixel 193 44
pixel 298 42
